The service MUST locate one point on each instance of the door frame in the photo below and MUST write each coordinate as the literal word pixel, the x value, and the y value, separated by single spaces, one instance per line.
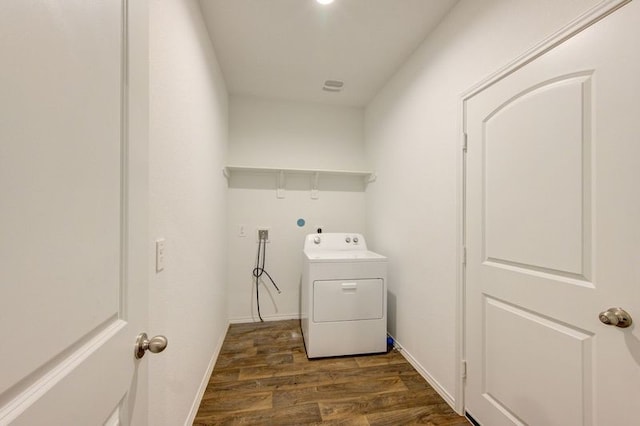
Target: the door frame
pixel 135 190
pixel 583 21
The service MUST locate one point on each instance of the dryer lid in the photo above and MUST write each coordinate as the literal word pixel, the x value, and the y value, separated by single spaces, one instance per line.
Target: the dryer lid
pixel 344 256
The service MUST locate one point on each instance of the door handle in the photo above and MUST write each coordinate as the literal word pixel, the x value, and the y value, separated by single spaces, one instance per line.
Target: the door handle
pixel 154 345
pixel 616 316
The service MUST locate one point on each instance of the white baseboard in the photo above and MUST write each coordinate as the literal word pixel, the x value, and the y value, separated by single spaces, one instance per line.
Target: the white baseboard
pixel 425 375
pixel 205 380
pixel 267 318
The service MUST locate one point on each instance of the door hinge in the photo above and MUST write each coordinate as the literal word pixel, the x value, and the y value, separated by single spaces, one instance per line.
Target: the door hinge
pixel 464 142
pixel 463 369
pixel 464 255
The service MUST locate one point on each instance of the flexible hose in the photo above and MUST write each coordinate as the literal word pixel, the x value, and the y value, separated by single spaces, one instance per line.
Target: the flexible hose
pixel 259 270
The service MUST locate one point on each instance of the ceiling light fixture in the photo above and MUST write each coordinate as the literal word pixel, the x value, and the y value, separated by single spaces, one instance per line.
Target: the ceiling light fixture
pixel 324 1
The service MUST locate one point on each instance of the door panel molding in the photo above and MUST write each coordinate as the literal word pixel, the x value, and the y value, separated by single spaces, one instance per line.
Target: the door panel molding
pixel 26 393
pixel 562 223
pixel 570 399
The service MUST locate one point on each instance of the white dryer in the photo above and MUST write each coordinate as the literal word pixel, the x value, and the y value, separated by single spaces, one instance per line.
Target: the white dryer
pixel 343 296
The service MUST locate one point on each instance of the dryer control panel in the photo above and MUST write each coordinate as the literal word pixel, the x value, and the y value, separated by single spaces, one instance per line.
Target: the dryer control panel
pixel 336 241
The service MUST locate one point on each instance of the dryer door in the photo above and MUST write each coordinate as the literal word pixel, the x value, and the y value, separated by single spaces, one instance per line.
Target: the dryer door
pixel 348 300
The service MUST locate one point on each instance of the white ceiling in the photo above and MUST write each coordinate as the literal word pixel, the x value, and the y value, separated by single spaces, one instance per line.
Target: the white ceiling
pixel 286 49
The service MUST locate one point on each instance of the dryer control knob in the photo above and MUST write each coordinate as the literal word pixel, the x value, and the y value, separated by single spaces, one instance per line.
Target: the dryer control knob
pixel 316 240
pixel 347 240
pixel 355 240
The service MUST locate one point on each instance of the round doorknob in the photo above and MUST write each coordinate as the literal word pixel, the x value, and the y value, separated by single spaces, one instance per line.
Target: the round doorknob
pixel 616 316
pixel 154 345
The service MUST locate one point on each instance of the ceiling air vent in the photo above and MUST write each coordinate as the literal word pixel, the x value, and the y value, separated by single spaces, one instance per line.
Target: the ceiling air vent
pixel 333 85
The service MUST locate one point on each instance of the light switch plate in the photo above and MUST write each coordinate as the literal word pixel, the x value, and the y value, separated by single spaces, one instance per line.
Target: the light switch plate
pixel 160 254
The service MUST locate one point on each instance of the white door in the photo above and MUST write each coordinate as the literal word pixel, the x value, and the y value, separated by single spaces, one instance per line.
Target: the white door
pixel 552 226
pixel 72 211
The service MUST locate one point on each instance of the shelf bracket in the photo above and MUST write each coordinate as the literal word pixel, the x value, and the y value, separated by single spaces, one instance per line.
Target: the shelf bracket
pixel 371 177
pixel 281 184
pixel 225 172
pixel 315 194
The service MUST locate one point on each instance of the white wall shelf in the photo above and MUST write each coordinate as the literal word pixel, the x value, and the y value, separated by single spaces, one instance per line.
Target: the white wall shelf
pixel 245 177
pixel 367 175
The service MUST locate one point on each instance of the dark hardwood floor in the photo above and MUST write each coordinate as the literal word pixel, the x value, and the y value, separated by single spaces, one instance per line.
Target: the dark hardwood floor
pixel 263 376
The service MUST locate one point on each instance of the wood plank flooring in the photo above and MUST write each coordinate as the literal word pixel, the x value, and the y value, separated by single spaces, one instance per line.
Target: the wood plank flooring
pixel 263 377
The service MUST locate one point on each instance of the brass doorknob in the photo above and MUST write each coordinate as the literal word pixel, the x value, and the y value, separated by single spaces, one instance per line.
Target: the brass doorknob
pixel 616 316
pixel 154 345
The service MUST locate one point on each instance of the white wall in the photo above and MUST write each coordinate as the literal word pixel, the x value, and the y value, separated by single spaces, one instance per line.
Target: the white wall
pixel 278 133
pixel 269 133
pixel 412 133
pixel 188 142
